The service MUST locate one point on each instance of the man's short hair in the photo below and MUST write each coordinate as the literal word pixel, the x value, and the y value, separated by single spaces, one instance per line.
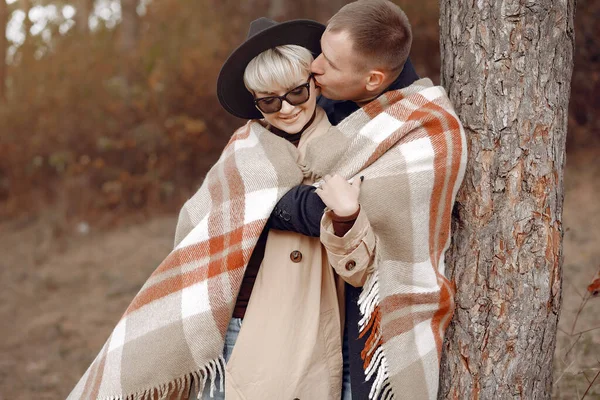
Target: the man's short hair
pixel 379 30
pixel 279 67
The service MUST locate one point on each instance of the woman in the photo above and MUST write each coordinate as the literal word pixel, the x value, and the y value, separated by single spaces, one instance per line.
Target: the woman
pixel 290 343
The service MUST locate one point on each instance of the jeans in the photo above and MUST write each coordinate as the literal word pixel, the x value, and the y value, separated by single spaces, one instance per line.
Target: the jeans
pixel 231 335
pixel 346 389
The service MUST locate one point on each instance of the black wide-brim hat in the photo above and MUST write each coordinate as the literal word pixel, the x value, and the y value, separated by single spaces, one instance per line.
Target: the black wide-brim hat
pixel 263 34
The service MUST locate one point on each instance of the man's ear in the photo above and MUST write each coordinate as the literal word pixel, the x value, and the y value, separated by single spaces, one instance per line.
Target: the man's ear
pixel 375 80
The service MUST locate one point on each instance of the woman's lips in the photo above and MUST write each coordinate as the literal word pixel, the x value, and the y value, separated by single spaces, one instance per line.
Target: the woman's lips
pixel 291 118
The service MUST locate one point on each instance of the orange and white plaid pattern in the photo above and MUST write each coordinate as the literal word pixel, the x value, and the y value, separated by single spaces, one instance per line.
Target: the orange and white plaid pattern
pixel 411 148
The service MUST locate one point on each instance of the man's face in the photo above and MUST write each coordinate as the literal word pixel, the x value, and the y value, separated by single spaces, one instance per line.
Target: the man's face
pixel 337 69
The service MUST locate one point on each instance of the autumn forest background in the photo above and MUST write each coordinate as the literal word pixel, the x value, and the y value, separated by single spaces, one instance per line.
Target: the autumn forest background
pixel 108 123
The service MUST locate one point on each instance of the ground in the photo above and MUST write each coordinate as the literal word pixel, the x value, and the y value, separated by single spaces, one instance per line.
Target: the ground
pixel 63 290
pixel 577 359
pixel 61 297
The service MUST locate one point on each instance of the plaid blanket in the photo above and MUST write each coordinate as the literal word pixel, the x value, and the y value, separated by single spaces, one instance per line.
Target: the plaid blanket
pixel 411 148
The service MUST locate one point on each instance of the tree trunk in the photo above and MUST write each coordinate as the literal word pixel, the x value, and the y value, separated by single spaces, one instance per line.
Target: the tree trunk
pixel 507 68
pixel 27 24
pixel 84 9
pixel 129 26
pixel 27 48
pixel 277 10
pixel 128 37
pixel 3 49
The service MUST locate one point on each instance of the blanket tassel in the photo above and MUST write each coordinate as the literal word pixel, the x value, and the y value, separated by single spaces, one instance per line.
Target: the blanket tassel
pixel 375 363
pixel 183 385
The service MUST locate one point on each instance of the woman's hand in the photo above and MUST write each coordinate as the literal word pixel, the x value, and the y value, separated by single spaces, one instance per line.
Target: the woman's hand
pixel 339 195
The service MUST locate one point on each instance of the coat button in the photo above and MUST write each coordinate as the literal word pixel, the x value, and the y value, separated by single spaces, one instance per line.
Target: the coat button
pixel 350 265
pixel 296 256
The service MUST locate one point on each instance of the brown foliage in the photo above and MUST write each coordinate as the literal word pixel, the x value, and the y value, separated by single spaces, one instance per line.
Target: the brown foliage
pixel 99 133
pixel 78 130
pixel 96 137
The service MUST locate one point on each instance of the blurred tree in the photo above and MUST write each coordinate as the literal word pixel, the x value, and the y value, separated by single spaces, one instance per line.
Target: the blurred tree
pixel 26 6
pixel 84 9
pixel 130 27
pixel 3 48
pixel 507 68
pixel 277 9
pixel 584 131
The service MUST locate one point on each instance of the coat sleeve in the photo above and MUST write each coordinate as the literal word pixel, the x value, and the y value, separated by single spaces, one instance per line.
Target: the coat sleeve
pixel 351 255
pixel 299 210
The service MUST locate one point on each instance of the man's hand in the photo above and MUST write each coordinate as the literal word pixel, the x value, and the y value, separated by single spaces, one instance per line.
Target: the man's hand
pixel 339 195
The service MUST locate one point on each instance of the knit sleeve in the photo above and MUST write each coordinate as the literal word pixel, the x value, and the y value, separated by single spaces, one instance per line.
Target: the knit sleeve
pixel 341 225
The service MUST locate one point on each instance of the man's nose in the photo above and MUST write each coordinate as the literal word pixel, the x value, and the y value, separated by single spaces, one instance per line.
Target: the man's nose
pixel 316 66
pixel 286 108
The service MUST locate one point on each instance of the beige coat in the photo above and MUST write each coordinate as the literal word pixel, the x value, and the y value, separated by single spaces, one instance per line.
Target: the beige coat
pixel 290 343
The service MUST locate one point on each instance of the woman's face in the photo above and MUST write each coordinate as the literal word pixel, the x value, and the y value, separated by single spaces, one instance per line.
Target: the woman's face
pixel 291 119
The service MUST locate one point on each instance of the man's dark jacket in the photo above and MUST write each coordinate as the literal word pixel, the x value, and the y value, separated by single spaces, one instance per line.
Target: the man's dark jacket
pixel 300 210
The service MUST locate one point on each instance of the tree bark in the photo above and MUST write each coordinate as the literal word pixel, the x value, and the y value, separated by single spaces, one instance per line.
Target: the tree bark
pixel 3 49
pixel 507 68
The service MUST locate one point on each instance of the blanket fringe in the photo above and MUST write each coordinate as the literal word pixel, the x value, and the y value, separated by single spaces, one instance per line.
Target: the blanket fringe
pixel 182 386
pixel 375 362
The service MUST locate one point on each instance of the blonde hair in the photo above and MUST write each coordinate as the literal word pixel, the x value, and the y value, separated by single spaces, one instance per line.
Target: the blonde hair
pixel 279 67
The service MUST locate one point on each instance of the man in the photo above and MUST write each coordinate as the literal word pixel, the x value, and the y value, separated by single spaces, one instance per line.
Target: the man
pixel 365 52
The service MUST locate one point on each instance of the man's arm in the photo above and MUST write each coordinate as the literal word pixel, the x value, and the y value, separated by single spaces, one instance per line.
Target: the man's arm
pixel 299 210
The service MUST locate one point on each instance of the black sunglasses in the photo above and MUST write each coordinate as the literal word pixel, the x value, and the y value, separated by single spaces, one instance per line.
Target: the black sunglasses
pixel 295 97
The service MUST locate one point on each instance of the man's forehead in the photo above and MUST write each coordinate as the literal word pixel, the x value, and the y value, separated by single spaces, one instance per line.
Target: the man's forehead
pixel 337 48
pixel 337 42
pixel 337 36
